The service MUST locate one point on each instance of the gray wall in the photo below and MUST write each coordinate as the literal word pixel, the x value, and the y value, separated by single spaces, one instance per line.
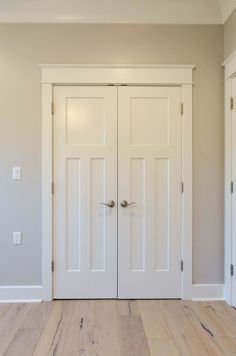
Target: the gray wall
pixel 230 35
pixel 23 47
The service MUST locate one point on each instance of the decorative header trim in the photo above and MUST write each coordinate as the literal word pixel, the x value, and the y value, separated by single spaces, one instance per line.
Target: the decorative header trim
pixel 117 74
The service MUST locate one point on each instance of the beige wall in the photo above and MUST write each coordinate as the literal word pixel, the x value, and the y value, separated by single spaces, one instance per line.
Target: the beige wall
pixel 23 47
pixel 230 35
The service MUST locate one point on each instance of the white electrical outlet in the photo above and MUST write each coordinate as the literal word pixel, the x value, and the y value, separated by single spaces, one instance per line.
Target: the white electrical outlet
pixel 16 173
pixel 16 238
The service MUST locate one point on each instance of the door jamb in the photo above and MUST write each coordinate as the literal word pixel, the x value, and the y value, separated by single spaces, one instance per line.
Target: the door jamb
pixel 229 196
pixel 169 75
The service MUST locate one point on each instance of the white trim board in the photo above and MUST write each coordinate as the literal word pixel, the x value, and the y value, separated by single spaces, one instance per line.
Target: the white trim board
pixel 30 294
pixel 20 294
pixel 115 74
pixel 201 292
pixel 230 66
pixel 229 198
pixel 145 66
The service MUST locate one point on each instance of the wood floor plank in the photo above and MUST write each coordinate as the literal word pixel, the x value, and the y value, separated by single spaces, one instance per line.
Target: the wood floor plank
pixel 50 332
pixel 221 320
pixel 211 324
pixel 128 307
pixel 163 347
pixel 133 339
pixel 27 336
pixel 227 322
pixel 226 314
pixel 10 323
pixel 106 328
pixel 23 343
pixel 160 340
pixel 183 333
pixel 38 315
pixel 229 309
pixel 62 330
pixel 4 309
pixel 214 333
pixel 153 320
pixel 217 310
pixel 80 334
pixel 202 331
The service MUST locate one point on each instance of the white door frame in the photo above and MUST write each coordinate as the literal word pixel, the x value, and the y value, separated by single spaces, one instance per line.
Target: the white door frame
pixel 169 75
pixel 230 199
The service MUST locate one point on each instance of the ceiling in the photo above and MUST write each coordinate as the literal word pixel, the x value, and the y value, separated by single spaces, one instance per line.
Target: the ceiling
pixel 117 11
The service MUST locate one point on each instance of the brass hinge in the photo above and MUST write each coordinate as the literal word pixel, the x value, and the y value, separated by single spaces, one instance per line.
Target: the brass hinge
pixel 182 108
pixel 182 265
pixel 53 188
pixel 231 270
pixel 182 187
pixel 232 187
pixel 231 103
pixel 52 108
pixel 52 266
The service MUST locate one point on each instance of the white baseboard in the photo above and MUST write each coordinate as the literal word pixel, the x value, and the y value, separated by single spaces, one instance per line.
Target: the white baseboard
pixel 207 292
pixel 14 294
pixel 20 294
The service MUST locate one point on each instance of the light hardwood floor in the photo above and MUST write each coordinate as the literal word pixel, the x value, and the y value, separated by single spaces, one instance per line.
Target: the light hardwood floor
pixel 112 328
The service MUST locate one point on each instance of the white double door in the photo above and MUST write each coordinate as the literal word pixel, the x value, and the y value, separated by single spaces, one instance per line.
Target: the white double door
pixel 117 200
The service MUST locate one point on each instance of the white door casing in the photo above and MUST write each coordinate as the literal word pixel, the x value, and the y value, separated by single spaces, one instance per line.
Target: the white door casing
pixel 149 176
pixel 169 75
pixel 230 179
pixel 85 173
pixel 233 198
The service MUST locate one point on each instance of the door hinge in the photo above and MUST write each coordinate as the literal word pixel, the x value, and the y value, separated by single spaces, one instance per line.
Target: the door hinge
pixel 52 108
pixel 231 103
pixel 52 266
pixel 182 187
pixel 182 108
pixel 182 265
pixel 232 187
pixel 231 270
pixel 53 187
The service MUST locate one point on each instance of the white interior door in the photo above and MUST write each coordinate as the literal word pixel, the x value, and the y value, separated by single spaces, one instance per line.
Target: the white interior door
pixel 233 250
pixel 149 178
pixel 85 173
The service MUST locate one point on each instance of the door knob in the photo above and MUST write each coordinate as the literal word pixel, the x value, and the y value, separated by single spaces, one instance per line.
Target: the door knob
pixel 124 203
pixel 110 204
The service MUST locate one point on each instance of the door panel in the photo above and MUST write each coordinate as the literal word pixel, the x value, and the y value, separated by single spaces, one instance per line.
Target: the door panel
pixel 149 176
pixel 85 170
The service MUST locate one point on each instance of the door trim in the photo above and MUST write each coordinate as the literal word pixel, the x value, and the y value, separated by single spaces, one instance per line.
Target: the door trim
pixel 229 198
pixel 179 75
